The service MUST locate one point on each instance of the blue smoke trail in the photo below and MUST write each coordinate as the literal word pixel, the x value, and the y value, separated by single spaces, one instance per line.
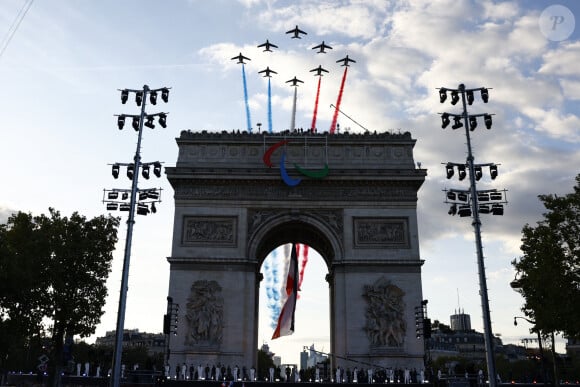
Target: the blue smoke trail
pixel 272 287
pixel 269 107
pixel 246 99
pixel 269 282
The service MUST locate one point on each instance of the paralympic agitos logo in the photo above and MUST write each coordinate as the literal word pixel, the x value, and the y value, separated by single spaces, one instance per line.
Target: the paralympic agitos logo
pixel 290 181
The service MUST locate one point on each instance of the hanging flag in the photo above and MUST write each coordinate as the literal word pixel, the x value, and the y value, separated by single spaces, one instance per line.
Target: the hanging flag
pixel 286 319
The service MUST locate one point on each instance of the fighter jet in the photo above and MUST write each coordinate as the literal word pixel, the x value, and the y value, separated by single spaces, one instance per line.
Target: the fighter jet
pixel 267 45
pixel 294 81
pixel 267 71
pixel 296 31
pixel 345 61
pixel 322 47
pixel 240 58
pixel 319 70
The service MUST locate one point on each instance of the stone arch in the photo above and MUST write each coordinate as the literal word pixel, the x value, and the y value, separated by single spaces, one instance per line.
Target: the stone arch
pixel 232 208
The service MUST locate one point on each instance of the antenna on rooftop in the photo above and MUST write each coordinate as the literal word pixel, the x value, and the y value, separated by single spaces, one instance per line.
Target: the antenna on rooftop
pixel 350 118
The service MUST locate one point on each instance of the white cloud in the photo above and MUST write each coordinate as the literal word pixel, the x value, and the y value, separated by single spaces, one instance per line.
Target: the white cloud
pixel 555 123
pixel 499 11
pixel 571 89
pixel 563 61
pixel 351 19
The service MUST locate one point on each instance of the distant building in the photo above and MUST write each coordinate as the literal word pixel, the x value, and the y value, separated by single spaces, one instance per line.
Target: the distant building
pixel 460 322
pixel 154 342
pixel 303 360
pixel 459 340
pixel 315 357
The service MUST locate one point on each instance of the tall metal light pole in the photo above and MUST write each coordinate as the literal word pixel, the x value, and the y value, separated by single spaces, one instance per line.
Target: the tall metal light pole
pixel 144 200
pixel 468 200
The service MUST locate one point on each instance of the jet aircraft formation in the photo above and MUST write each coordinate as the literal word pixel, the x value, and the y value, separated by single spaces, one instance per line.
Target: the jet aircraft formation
pixel 295 33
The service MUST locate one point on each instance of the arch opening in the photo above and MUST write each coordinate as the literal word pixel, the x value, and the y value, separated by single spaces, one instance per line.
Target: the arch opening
pixel 312 314
pixel 305 230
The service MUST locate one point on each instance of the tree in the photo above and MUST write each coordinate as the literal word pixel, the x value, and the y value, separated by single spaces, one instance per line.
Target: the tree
pixel 264 363
pixel 549 270
pixel 57 269
pixel 21 306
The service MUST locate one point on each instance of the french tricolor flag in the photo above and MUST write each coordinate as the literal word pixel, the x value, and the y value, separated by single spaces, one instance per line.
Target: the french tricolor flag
pixel 285 325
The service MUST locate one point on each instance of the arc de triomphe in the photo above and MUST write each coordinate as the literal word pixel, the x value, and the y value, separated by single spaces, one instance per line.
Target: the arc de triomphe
pixel 351 197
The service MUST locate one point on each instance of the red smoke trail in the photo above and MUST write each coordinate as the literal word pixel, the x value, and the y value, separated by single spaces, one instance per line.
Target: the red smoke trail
pixel 313 126
pixel 334 118
pixel 303 263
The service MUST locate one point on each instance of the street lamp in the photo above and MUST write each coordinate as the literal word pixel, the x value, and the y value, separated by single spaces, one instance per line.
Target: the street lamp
pixel 539 344
pixel 134 200
pixel 465 203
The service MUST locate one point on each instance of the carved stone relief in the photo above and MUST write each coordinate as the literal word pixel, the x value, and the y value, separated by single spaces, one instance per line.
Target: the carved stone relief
pixel 204 313
pixel 202 230
pixel 381 233
pixel 385 321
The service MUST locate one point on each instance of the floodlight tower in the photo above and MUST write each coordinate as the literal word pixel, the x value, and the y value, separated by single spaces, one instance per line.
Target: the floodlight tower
pixel 134 200
pixel 467 202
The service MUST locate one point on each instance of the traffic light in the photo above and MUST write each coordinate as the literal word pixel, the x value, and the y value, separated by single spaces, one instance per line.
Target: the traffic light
pixel 426 328
pixel 419 319
pixel 166 324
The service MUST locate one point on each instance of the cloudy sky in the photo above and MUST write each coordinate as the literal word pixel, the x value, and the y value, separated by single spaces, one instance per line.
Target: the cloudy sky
pixel 62 64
